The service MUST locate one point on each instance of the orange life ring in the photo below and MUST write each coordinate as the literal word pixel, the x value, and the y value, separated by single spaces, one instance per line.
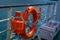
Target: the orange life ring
pixel 16 23
pixel 19 25
pixel 35 19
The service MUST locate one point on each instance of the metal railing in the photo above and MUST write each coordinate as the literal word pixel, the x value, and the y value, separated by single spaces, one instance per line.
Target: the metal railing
pixel 23 5
pixel 10 14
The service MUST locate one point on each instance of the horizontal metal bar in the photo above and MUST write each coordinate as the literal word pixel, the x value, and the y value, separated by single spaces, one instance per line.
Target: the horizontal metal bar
pixel 13 17
pixel 4 20
pixel 4 31
pixel 23 5
pixel 51 17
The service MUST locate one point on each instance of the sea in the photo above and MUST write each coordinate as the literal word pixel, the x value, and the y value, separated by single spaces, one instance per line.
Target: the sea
pixel 4 13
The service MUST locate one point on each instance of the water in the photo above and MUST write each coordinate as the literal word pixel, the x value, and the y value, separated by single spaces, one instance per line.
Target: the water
pixel 4 12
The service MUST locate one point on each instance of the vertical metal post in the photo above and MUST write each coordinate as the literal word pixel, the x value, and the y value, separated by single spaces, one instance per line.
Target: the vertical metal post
pixel 48 12
pixel 9 34
pixel 55 7
pixel 53 10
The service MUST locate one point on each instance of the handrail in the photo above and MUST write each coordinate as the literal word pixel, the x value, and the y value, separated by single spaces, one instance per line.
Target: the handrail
pixel 4 31
pixel 23 5
pixel 10 10
pixel 4 20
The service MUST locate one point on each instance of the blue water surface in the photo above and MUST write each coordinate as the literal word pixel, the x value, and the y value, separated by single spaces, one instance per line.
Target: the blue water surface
pixel 4 12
